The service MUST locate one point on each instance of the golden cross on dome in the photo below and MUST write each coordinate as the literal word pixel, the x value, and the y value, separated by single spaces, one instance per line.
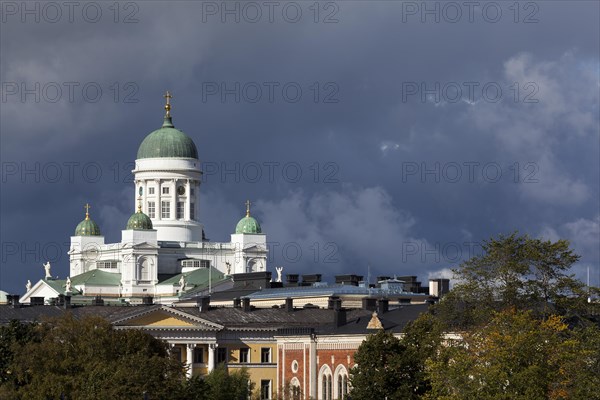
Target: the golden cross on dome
pixel 168 96
pixel 248 208
pixel 87 210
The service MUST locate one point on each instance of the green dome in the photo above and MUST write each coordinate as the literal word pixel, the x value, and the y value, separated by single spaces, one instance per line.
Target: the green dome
pixel 167 142
pixel 140 221
pixel 248 225
pixel 87 227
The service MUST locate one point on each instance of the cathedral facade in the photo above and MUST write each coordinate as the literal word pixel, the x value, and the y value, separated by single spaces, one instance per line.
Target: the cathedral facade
pixel 163 251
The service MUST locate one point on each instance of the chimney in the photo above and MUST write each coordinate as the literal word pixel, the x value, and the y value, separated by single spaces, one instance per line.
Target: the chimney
pixel 291 279
pixel 439 287
pixel 67 302
pixel 369 303
pixel 383 306
pixel 246 304
pixel 311 279
pixel 203 303
pixel 13 300
pixel 339 316
pixel 352 279
pixel 289 304
pixel 237 303
pixel 147 300
pixel 98 301
pixel 331 302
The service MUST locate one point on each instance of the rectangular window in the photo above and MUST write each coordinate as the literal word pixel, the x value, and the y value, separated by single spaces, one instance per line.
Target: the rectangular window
pixel 106 264
pixel 176 353
pixel 190 263
pixel 221 354
pixel 150 190
pixel 151 209
pixel 165 190
pixel 166 209
pixel 191 191
pixel 265 355
pixel 265 389
pixel 180 209
pixel 195 263
pixel 245 355
pixel 198 355
pixel 192 211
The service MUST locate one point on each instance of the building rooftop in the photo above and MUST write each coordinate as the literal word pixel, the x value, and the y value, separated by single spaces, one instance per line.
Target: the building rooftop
pixel 270 319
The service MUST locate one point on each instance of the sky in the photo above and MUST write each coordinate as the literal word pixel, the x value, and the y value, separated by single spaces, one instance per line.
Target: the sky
pixel 372 137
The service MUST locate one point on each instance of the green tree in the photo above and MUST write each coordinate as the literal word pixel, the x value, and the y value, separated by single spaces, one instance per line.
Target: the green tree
pixel 514 271
pixel 376 375
pixel 516 356
pixel 421 340
pixel 88 359
pixel 392 368
pixel 225 385
pixel 12 338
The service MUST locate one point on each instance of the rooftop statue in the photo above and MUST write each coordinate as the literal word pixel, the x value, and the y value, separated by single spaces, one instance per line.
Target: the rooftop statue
pixel 47 268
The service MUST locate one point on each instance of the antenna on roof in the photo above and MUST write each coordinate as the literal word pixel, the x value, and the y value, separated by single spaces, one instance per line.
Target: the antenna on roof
pixel 369 278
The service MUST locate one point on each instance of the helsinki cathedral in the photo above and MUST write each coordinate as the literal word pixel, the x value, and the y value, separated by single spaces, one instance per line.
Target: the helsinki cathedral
pixel 163 252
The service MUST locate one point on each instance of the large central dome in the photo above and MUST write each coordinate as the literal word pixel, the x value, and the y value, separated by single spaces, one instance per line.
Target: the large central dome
pixel 167 142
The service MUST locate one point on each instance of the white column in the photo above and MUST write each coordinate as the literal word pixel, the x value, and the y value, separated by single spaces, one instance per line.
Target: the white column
pixel 188 204
pixel 173 196
pixel 196 199
pixel 145 198
pixel 136 193
pixel 190 359
pixel 211 356
pixel 158 200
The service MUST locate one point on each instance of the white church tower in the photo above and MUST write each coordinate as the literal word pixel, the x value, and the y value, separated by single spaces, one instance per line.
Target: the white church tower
pixel 85 245
pixel 167 182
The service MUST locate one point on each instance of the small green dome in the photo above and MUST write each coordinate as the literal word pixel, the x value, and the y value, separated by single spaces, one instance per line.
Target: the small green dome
pixel 167 142
pixel 140 221
pixel 87 227
pixel 248 225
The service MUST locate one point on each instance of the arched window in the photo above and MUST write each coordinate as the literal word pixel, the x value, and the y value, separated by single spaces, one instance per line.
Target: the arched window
pixel 144 272
pixel 295 389
pixel 325 383
pixel 341 383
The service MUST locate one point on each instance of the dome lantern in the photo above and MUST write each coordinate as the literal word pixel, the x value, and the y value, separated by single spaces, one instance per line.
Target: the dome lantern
pixel 167 142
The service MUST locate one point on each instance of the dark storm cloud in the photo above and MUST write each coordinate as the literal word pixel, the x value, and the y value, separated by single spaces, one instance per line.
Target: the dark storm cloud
pixel 363 135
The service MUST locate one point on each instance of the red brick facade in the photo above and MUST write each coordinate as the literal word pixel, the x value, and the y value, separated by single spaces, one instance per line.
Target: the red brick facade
pixel 324 376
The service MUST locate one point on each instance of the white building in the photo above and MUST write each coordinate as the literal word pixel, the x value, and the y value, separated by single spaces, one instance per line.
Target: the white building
pixel 163 251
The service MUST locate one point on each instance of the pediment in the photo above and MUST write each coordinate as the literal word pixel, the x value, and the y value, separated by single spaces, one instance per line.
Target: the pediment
pixel 159 319
pixel 167 317
pixel 40 289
